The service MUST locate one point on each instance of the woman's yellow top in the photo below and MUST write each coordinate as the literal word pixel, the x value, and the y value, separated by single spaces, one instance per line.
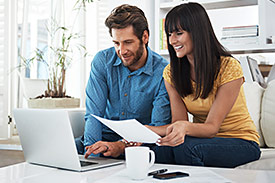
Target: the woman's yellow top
pixel 238 123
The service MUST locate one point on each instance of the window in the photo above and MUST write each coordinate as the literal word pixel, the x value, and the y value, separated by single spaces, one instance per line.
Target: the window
pixel 33 18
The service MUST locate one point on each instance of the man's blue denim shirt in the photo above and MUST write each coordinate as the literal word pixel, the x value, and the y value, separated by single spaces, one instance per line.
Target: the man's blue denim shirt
pixel 114 92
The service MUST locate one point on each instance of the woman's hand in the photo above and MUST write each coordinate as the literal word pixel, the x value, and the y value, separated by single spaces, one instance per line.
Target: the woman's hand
pixel 175 134
pixel 130 144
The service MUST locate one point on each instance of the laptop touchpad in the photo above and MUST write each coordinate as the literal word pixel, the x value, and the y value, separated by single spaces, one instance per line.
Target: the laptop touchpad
pixel 86 163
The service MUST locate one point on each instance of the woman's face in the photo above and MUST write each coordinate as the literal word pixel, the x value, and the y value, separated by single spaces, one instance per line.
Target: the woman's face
pixel 182 43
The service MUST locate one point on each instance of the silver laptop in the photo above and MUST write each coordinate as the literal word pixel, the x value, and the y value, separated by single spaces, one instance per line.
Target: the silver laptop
pixel 47 138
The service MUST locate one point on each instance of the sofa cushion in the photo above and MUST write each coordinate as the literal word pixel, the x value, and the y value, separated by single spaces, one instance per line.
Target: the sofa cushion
pixel 266 162
pixel 253 94
pixel 268 114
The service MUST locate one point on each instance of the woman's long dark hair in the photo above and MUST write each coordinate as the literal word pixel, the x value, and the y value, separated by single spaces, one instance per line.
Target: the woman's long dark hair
pixel 207 50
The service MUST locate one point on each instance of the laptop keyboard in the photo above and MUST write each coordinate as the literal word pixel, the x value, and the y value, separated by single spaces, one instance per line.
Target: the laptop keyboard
pixel 86 163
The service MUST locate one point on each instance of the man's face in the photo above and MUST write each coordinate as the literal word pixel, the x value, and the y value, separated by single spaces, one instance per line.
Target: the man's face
pixel 129 48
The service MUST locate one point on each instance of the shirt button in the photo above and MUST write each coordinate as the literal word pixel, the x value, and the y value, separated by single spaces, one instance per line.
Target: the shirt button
pixel 125 94
pixel 122 113
pixel 129 76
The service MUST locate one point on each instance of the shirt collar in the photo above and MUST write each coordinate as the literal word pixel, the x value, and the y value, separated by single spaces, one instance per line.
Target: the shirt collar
pixel 117 62
pixel 147 68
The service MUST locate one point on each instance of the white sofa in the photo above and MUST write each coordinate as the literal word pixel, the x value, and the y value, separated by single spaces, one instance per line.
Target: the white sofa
pixel 261 106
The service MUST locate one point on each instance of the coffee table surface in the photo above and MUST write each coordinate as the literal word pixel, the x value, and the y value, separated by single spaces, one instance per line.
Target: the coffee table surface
pixel 25 172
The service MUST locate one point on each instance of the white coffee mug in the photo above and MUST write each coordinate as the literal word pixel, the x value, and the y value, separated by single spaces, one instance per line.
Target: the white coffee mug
pixel 137 161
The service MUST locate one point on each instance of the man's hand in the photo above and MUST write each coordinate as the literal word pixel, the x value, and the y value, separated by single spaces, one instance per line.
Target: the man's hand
pixel 113 149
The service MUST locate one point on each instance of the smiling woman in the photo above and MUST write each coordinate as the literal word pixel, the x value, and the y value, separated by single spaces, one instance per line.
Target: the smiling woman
pixel 206 81
pixel 182 43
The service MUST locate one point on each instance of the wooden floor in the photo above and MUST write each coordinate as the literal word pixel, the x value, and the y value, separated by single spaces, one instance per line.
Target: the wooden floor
pixel 10 157
pixel 10 152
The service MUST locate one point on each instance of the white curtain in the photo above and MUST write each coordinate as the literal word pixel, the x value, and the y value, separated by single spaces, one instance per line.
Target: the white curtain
pixel 7 60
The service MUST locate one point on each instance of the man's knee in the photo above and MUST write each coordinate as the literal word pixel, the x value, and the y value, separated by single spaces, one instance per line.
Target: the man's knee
pixel 163 154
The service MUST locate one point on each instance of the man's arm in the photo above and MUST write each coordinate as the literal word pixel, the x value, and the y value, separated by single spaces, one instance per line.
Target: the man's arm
pixel 96 101
pixel 96 98
pixel 161 112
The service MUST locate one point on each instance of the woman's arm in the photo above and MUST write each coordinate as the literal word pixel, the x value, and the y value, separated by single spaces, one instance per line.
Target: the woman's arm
pixel 223 103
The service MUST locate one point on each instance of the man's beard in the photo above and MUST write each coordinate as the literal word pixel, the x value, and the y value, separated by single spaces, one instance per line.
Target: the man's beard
pixel 138 55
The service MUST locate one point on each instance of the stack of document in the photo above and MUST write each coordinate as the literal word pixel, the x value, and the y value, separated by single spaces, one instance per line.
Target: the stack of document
pixel 240 35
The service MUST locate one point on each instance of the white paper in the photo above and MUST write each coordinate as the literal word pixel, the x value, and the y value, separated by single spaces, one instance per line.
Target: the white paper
pixel 131 130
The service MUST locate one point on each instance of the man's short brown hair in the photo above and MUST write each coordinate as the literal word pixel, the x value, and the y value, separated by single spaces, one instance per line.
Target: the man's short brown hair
pixel 126 15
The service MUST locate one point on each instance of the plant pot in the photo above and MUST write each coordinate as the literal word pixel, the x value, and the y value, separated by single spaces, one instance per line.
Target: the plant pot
pixel 31 88
pixel 51 103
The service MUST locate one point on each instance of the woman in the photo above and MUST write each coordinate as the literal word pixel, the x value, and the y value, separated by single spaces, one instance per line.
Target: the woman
pixel 206 81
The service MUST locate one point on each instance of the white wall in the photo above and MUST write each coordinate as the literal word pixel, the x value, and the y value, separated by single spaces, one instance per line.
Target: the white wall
pixel 146 5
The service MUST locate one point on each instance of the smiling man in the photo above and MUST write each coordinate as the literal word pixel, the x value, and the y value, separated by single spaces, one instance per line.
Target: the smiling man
pixel 125 83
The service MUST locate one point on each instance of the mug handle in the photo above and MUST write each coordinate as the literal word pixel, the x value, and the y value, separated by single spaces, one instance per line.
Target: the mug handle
pixel 152 158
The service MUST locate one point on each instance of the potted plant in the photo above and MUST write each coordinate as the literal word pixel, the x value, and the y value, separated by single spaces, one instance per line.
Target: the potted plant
pixel 62 47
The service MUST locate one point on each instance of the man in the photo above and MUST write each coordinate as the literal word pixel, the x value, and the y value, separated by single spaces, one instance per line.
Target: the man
pixel 125 83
